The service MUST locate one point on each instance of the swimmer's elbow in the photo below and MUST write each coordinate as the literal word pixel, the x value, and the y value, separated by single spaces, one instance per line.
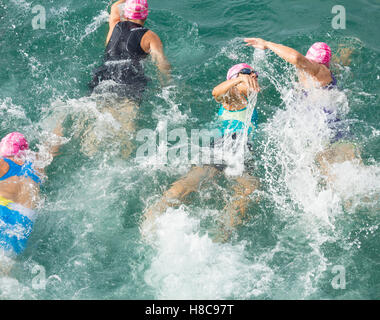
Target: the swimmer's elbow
pixel 218 98
pixel 216 95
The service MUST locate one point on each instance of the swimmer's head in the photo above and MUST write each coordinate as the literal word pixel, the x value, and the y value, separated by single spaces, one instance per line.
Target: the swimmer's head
pixel 235 70
pixel 136 9
pixel 13 144
pixel 320 52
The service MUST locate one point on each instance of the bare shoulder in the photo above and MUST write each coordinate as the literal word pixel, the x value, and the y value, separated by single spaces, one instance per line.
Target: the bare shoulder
pixel 324 75
pixel 150 41
pixel 152 36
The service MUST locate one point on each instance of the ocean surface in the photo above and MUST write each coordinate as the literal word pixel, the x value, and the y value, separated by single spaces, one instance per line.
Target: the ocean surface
pixel 302 239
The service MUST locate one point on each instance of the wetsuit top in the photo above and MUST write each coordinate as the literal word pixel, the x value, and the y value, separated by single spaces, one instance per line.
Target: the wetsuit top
pixel 125 42
pixel 24 170
pixel 122 62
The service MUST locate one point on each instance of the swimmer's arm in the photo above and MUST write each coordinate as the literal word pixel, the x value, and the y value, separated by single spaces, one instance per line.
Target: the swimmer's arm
pixel 288 54
pixel 222 89
pixel 151 43
pixel 114 18
pixel 4 167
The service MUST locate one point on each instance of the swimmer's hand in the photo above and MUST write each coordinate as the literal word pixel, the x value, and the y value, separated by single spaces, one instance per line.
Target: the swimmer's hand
pixel 256 43
pixel 224 88
pixel 250 81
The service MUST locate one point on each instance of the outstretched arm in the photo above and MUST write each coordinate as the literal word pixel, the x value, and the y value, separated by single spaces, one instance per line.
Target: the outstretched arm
pixel 288 54
pixel 114 18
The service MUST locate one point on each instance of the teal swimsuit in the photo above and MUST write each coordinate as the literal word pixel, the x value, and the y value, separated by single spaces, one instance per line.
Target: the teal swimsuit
pixel 231 124
pixel 234 121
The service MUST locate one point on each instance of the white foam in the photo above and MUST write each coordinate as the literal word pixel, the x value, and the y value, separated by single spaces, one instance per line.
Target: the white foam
pixel 295 136
pixel 22 4
pixel 189 265
pixel 10 111
pixel 357 183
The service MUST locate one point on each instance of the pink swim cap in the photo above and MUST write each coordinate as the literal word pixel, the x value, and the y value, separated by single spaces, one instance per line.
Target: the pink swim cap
pixel 320 52
pixel 136 9
pixel 234 71
pixel 12 144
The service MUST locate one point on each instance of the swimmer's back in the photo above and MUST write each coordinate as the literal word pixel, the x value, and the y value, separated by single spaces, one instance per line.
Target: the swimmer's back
pixel 122 65
pixel 19 189
pixel 125 42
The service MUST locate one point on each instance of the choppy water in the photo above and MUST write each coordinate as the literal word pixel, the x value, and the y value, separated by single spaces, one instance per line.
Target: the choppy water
pixel 87 236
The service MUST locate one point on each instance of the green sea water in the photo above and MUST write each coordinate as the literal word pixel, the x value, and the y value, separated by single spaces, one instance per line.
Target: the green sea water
pixel 87 237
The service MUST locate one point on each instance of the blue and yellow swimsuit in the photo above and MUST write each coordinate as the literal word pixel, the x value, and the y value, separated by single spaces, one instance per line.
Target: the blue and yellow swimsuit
pixel 16 221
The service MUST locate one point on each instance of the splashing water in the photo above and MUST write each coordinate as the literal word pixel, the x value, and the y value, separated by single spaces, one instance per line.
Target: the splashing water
pixel 87 235
pixel 189 265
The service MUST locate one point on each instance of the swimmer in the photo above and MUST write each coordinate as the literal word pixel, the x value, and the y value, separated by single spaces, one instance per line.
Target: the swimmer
pixel 316 63
pixel 241 81
pixel 128 42
pixel 20 182
pixel 316 66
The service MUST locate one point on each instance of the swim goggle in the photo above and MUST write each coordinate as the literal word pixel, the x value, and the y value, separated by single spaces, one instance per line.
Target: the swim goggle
pixel 248 71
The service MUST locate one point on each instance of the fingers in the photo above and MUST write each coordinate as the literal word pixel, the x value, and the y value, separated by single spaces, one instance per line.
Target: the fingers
pixel 248 81
pixel 251 82
pixel 256 43
pixel 251 41
pixel 255 82
pixel 257 87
